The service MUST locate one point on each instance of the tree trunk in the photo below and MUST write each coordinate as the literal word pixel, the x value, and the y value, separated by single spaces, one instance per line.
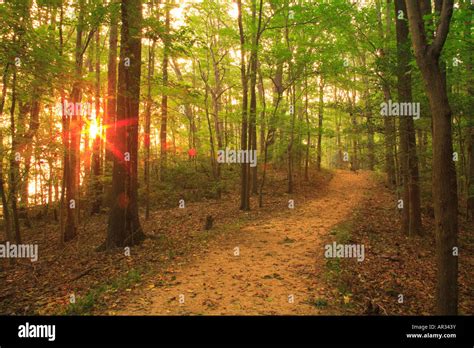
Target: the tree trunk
pixel 261 93
pixel 470 178
pixel 270 136
pixel 470 127
pixel 245 172
pixel 6 211
pixel 14 165
pixel 73 146
pixel 216 94
pixel 27 142
pixel 292 97
pixel 164 98
pixel 354 160
pixel 320 122
pixel 124 227
pixel 187 110
pixel 110 115
pixel 151 63
pixel 389 129
pixel 308 126
pixel 411 222
pixel 96 162
pixel 253 83
pixel 444 173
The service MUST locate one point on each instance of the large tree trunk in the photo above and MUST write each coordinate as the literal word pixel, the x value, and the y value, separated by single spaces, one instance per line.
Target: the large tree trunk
pixel 110 115
pixel 124 227
pixel 444 172
pixel 470 129
pixel 470 178
pixel 411 215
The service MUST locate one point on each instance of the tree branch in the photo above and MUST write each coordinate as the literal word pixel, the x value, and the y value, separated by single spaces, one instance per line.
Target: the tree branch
pixel 417 28
pixel 443 28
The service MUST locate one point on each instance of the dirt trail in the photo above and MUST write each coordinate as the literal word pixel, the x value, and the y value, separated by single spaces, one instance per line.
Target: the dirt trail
pixel 279 258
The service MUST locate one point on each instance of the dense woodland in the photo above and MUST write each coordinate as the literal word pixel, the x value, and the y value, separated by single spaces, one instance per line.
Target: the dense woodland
pixel 122 108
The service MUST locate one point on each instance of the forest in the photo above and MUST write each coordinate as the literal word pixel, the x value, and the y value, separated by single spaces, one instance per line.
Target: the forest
pixel 236 157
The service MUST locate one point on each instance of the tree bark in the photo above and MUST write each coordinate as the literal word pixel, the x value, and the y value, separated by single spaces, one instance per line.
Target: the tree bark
pixel 444 173
pixel 72 182
pixel 470 128
pixel 245 167
pixel 110 115
pixel 151 63
pixel 257 22
pixel 124 227
pixel 308 126
pixel 96 162
pixel 6 211
pixel 320 123
pixel 14 165
pixel 389 129
pixel 164 98
pixel 270 136
pixel 411 221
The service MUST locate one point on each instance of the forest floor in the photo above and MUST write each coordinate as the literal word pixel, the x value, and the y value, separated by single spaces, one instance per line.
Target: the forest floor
pixel 281 268
pixel 276 271
pixel 269 261
pixel 74 278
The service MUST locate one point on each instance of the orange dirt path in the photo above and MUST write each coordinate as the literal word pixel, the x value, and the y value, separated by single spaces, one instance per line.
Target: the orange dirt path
pixel 279 258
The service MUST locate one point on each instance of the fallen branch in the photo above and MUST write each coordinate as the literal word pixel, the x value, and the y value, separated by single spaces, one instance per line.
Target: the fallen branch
pixel 86 272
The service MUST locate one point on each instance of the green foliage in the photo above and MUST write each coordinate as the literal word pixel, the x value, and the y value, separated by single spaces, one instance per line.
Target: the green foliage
pixel 319 302
pixel 190 181
pixel 84 305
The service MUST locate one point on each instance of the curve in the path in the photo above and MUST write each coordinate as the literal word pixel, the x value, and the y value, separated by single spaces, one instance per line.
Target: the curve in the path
pixel 277 270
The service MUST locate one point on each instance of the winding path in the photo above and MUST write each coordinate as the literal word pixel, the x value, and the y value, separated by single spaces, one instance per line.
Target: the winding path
pixel 278 266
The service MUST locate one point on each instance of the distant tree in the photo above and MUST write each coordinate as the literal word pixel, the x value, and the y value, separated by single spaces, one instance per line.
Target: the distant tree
pixel 244 77
pixel 164 97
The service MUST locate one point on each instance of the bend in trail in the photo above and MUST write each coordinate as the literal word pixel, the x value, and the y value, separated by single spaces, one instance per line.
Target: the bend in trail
pixel 278 268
